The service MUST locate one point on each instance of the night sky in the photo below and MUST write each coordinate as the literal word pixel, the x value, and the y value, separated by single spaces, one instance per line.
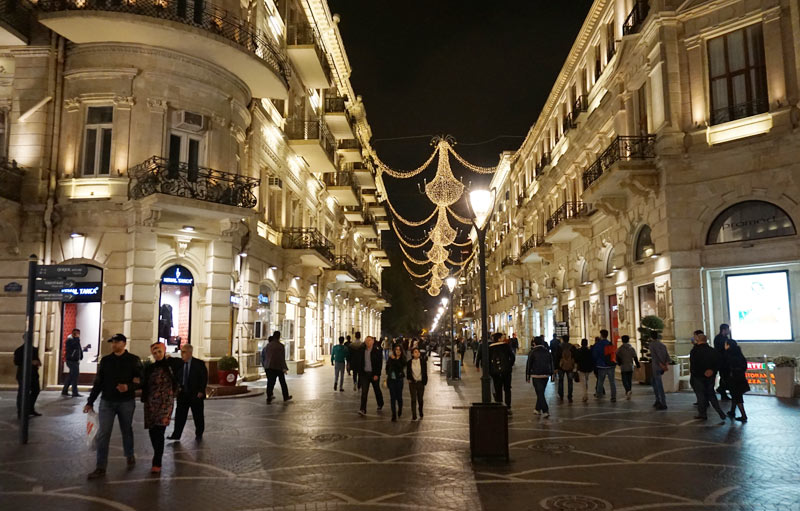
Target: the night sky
pixel 479 71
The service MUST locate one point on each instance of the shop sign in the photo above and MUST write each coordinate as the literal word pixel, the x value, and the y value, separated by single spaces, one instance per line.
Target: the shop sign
pixel 177 275
pixel 236 300
pixel 83 291
pixel 750 220
pixel 62 270
pixel 263 299
pixel 12 287
pixel 760 373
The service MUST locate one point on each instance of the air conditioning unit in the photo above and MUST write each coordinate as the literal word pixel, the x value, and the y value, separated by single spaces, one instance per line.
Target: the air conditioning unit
pixel 190 121
pixel 275 183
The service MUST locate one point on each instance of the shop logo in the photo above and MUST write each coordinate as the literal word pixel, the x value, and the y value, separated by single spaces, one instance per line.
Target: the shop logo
pixel 177 275
pixel 230 377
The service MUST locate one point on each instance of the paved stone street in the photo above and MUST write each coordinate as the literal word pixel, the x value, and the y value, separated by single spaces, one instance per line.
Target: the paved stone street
pixel 318 453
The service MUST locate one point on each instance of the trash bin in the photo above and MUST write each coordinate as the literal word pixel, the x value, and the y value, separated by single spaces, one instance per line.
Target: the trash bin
pixel 455 370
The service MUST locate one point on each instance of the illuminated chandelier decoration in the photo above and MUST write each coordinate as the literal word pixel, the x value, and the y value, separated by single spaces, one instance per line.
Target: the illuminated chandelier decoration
pixel 443 191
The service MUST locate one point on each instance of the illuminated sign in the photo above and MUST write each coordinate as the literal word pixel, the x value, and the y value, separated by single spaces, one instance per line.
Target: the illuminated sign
pixel 760 373
pixel 177 276
pixel 84 291
pixel 263 299
pixel 759 306
pixel 236 299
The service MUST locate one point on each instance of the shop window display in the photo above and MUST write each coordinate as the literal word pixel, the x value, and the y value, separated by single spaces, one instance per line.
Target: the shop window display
pixel 175 306
pixel 84 313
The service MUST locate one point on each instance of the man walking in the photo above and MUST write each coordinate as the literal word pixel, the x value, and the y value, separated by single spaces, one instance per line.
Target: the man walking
pixel 626 358
pixel 605 361
pixel 275 366
pixel 347 343
pixel 370 373
pixel 118 376
pixel 703 365
pixel 73 354
pixel 193 379
pixel 338 360
pixel 566 367
pixel 501 362
pixel 33 391
pixel 356 348
pixel 720 339
pixel 659 359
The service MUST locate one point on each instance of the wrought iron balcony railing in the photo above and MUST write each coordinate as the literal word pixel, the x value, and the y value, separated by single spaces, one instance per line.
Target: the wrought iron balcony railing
pixel 301 34
pixel 207 17
pixel 341 178
pixel 636 18
pixel 11 176
pixel 543 162
pixel 350 144
pixel 740 111
pixel 532 242
pixel 308 238
pixel 623 148
pixel 17 15
pixel 313 129
pixel 569 209
pixel 581 104
pixel 371 283
pixel 346 263
pixel 568 123
pixel 335 104
pixel 179 179
pixel 508 261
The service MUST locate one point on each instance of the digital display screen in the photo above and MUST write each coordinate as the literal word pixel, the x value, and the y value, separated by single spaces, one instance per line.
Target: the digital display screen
pixel 758 306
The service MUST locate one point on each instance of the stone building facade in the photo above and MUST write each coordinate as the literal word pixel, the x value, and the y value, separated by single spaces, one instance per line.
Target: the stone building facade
pixel 661 178
pixel 208 162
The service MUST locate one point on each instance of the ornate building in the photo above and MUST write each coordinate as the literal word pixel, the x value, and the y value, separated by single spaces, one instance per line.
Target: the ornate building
pixel 661 178
pixel 208 162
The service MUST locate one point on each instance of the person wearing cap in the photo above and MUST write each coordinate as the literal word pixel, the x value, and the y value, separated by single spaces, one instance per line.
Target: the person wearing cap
pixel 118 376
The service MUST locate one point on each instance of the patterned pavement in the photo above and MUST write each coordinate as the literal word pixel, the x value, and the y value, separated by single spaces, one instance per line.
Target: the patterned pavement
pixel 317 453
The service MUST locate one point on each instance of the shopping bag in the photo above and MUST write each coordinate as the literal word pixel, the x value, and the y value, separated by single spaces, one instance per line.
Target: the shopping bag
pixel 92 423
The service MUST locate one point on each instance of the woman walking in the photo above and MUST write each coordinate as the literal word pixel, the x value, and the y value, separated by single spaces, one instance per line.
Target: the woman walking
pixel 736 365
pixel 395 372
pixel 585 366
pixel 417 374
pixel 159 387
pixel 540 369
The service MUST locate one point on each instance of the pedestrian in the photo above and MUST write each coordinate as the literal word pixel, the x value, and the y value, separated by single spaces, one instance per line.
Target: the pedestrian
pixel 585 363
pixel 417 374
pixel 462 349
pixel 720 339
pixel 555 345
pixel 73 354
pixel 193 378
pixel 603 354
pixel 370 373
pixel 659 359
pixel 514 343
pixel 275 367
pixel 501 362
pixel 539 369
pixel 33 390
pixel 339 355
pixel 347 343
pixel 357 361
pixel 386 345
pixel 566 367
pixel 626 358
pixel 118 376
pixel 475 347
pixel 395 373
pixel 736 364
pixel 159 387
pixel 703 365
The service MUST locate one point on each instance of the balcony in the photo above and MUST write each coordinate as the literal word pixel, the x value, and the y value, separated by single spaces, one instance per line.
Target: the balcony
pixel 580 108
pixel 211 33
pixel 543 166
pixel 308 57
pixel 636 18
pixel 15 23
pixel 371 287
pixel 367 228
pixel 508 261
pixel 568 123
pixel 345 270
pixel 339 121
pixel 363 174
pixel 625 159
pixel 343 187
pixel 534 249
pixel 310 246
pixel 11 176
pixel 311 140
pixel 158 175
pixel 568 222
pixel 353 213
pixel 350 151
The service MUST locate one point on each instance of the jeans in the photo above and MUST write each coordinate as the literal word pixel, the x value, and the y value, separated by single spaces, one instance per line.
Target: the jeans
pixel 386 354
pixel 367 379
pixel 356 381
pixel 584 377
pixel 627 380
pixel 658 387
pixel 602 373
pixel 157 440
pixel 184 403
pixel 272 375
pixel 123 411
pixel 395 395
pixel 704 390
pixel 502 384
pixel 32 394
pixel 539 385
pixel 570 378
pixel 417 391
pixel 72 379
pixel 338 375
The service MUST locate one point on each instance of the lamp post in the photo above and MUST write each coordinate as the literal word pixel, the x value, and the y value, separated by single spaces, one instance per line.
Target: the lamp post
pixel 451 285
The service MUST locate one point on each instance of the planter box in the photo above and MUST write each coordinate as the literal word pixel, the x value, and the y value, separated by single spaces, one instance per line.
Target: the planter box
pixel 784 381
pixel 672 379
pixel 228 378
pixel 644 374
pixel 488 430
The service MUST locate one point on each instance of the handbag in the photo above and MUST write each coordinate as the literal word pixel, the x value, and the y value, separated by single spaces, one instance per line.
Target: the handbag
pixel 92 423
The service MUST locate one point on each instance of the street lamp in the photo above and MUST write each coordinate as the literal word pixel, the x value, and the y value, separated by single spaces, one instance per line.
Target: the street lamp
pixel 451 285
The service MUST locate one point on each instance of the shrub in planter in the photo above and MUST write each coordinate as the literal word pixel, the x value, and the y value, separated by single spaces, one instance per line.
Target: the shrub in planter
pixel 784 376
pixel 227 370
pixel 650 328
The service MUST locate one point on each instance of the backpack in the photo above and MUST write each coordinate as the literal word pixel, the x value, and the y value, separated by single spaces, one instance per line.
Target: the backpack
pixel 567 362
pixel 498 363
pixel 609 356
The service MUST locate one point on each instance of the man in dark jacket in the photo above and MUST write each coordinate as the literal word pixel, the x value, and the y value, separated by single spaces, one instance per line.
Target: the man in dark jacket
pixel 721 338
pixel 604 356
pixel 357 360
pixel 192 380
pixel 372 361
pixel 566 367
pixel 73 354
pixel 703 366
pixel 33 391
pixel 501 362
pixel 275 366
pixel 118 376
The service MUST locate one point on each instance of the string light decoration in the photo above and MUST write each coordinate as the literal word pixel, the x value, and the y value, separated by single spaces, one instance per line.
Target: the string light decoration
pixel 440 270
pixel 417 275
pixel 382 167
pixel 445 189
pixel 437 254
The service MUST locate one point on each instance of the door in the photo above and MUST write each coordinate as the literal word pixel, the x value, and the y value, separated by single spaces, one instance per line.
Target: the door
pixel 613 318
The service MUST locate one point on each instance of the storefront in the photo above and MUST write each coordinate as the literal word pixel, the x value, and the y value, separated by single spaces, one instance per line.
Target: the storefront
pixel 263 325
pixel 288 331
pixel 312 352
pixel 83 312
pixel 175 307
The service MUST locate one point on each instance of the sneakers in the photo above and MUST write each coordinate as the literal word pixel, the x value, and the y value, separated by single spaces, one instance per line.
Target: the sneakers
pixel 362 412
pixel 537 412
pixel 287 399
pixel 270 399
pixel 545 415
pixel 155 470
pixel 96 474
pixel 355 387
pixel 173 437
pixel 380 408
pixel 131 460
pixel 413 418
pixel 335 387
pixel 628 395
pixel 341 389
pixel 742 419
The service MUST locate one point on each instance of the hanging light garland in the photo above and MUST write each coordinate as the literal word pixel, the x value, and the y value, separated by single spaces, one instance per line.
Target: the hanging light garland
pixel 407 174
pixel 417 275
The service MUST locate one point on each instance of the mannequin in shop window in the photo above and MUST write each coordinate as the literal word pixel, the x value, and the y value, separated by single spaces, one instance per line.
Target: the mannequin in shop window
pixel 165 321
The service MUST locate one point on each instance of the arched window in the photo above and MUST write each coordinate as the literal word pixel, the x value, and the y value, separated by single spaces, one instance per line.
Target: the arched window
pixel 750 220
pixel 610 267
pixel 584 280
pixel 644 244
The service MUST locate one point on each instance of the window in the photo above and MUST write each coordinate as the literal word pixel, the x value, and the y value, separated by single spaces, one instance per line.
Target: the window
pixel 611 44
pixel 737 74
pixel 97 141
pixel 186 149
pixel 611 268
pixel 641 111
pixel 598 65
pixel 644 244
pixel 750 220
